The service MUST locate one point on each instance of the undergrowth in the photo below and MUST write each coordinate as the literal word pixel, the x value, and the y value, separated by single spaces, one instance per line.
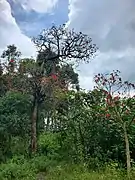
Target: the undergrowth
pixel 42 168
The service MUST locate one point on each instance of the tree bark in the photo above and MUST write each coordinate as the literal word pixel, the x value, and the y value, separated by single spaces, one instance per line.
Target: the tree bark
pixel 34 127
pixel 127 150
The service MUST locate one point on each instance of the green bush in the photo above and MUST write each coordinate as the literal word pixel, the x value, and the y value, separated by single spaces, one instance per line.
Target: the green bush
pixel 49 144
pixel 16 171
pixel 19 168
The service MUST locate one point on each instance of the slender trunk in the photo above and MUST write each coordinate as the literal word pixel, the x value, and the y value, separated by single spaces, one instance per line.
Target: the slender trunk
pixel 127 150
pixel 34 128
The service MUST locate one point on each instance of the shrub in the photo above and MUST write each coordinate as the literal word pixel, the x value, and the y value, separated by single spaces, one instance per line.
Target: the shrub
pixel 49 144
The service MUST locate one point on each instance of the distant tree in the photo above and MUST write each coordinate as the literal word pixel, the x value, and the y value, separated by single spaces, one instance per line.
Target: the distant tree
pixel 11 55
pixel 11 52
pixel 8 65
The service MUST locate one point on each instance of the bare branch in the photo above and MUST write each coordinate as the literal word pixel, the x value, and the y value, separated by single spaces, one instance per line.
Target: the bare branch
pixel 66 44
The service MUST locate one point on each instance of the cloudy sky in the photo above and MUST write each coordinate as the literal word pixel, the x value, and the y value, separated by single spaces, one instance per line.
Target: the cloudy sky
pixel 110 23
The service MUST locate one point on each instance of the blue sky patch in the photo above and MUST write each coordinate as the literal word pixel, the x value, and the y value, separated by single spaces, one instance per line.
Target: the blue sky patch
pixel 31 23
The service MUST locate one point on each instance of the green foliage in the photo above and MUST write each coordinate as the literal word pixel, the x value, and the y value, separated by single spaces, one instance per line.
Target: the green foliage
pixel 16 171
pixel 3 87
pixel 85 135
pixel 80 172
pixel 19 168
pixel 11 52
pixel 49 144
pixel 15 112
pixel 19 145
pixel 14 124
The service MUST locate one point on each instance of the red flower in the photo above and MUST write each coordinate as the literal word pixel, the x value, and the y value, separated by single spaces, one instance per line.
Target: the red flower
pixel 97 79
pixel 12 60
pixel 108 115
pixel 109 96
pixel 54 76
pixel 105 92
pixel 116 98
pixel 127 111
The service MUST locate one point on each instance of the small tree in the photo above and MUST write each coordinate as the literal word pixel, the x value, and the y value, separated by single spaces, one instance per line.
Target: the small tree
pixel 8 68
pixel 11 55
pixel 120 104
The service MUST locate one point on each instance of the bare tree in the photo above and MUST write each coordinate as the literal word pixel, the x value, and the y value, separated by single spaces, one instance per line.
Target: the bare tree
pixel 65 44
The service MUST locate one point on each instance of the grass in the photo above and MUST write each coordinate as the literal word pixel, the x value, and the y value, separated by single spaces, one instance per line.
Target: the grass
pixel 39 168
pixel 76 172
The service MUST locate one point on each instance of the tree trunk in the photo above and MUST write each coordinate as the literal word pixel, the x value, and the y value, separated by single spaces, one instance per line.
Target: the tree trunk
pixel 34 128
pixel 127 150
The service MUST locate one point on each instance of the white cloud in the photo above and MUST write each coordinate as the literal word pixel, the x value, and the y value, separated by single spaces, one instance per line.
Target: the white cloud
pixel 40 6
pixel 111 24
pixel 10 32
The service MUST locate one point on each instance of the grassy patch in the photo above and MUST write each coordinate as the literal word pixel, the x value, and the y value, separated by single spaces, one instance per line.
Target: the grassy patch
pixel 77 172
pixel 40 168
